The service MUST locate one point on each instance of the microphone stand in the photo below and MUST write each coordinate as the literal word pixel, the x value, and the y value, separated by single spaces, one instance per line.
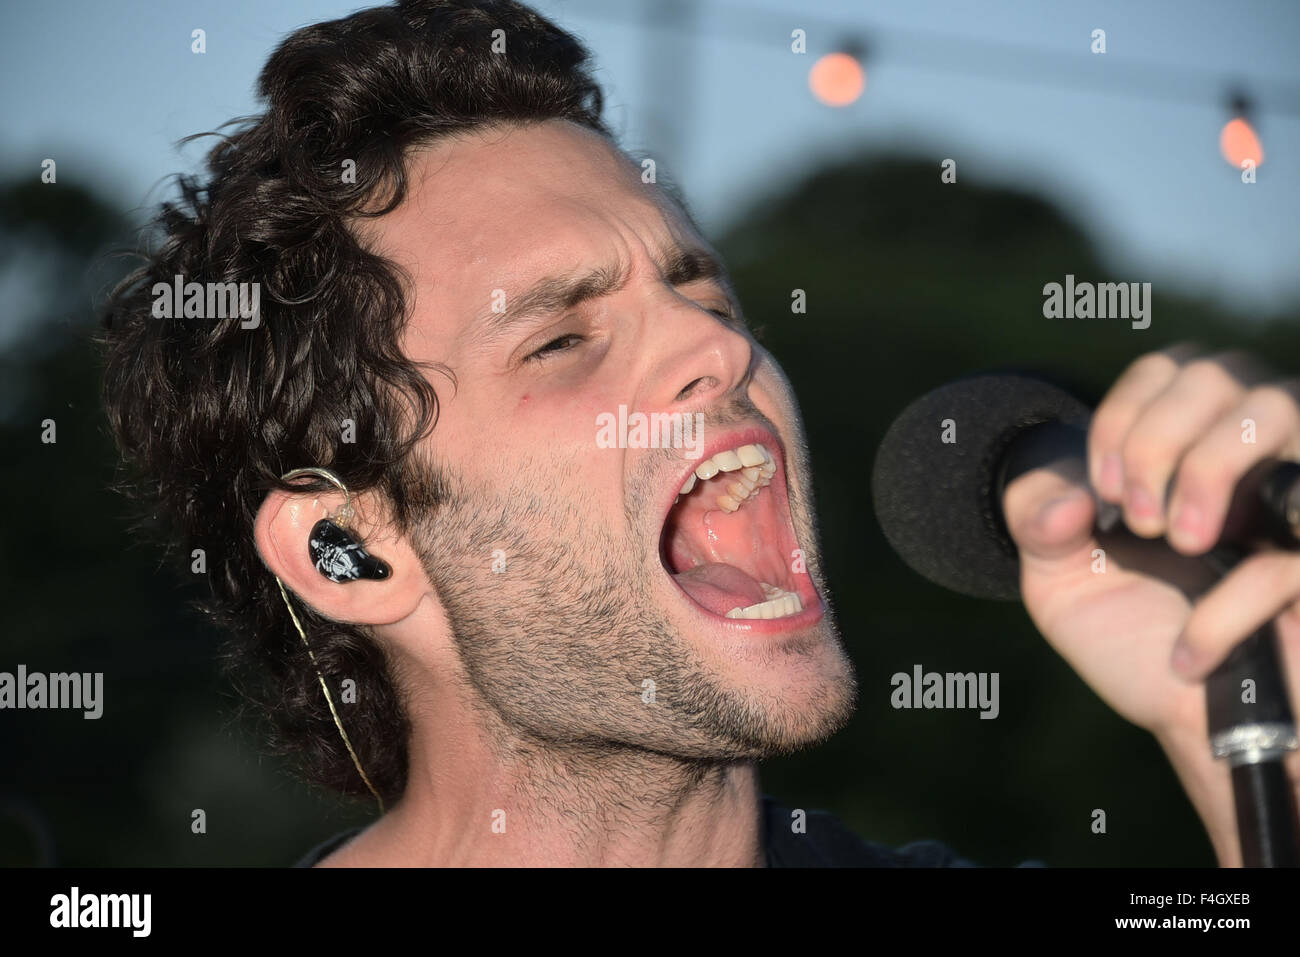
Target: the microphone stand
pixel 1253 733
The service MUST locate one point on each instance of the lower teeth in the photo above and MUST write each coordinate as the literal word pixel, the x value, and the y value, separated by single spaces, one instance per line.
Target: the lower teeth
pixel 779 604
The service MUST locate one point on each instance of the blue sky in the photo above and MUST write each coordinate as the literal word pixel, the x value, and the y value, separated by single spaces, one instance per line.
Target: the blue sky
pixel 107 87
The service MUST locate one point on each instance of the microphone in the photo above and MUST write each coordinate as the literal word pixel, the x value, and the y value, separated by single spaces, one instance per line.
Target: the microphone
pixel 943 465
pixel 937 485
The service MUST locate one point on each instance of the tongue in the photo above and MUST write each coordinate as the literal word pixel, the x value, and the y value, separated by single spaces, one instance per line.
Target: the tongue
pixel 720 587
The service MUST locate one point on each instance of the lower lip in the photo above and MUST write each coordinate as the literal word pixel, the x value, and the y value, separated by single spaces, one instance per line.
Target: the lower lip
pixel 813 611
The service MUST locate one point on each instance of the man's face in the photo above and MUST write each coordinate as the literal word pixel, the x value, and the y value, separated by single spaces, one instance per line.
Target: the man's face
pixel 589 606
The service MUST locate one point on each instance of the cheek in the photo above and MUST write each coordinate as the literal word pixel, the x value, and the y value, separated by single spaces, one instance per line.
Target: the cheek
pixel 568 416
pixel 773 393
pixel 557 433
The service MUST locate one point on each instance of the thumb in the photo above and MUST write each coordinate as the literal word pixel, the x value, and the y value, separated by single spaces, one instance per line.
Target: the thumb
pixel 1049 516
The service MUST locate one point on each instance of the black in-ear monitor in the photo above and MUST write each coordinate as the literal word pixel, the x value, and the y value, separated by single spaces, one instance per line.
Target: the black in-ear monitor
pixel 340 557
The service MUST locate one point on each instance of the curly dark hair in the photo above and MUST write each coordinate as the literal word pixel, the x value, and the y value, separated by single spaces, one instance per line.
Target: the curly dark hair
pixel 208 414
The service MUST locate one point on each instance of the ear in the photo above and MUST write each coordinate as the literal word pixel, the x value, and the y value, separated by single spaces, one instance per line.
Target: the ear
pixel 284 521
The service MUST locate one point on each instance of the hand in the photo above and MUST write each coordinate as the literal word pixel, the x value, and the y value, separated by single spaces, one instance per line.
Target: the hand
pixel 1169 443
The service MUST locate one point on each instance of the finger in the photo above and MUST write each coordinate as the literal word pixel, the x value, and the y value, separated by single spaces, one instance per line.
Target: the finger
pixel 1264 424
pixel 1170 424
pixel 1255 592
pixel 1142 381
pixel 1048 515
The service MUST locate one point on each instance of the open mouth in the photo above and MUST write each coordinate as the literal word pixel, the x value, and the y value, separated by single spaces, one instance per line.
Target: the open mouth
pixel 728 541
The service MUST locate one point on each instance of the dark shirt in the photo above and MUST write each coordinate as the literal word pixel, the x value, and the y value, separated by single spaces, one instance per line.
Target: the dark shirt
pixel 825 842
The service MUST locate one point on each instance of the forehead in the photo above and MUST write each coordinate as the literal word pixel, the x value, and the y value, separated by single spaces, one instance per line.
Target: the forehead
pixel 495 210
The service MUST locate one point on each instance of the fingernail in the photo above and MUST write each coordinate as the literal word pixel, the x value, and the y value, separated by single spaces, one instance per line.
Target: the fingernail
pixel 1183 660
pixel 1141 502
pixel 1112 475
pixel 1073 494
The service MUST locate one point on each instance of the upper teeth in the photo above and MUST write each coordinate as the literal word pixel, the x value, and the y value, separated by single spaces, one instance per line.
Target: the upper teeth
pixel 755 465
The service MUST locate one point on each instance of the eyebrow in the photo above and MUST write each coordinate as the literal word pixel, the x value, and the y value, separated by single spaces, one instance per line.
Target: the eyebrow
pixel 553 294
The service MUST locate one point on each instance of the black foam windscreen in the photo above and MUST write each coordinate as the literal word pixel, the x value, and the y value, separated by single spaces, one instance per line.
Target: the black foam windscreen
pixel 934 482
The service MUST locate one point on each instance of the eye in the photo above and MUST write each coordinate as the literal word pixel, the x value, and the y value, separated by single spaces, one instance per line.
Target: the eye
pixel 559 344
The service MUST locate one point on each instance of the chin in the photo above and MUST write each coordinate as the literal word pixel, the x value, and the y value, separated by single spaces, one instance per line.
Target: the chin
pixel 775 696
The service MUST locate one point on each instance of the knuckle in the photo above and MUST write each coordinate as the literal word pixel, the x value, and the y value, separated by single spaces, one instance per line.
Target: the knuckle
pixel 1109 425
pixel 1153 365
pixel 1209 375
pixel 1276 402
pixel 1143 453
pixel 1204 472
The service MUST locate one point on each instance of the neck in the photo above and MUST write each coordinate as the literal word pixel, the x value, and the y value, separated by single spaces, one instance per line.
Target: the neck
pixel 489 796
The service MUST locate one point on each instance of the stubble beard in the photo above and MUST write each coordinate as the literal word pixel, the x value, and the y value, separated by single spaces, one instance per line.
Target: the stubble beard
pixel 567 650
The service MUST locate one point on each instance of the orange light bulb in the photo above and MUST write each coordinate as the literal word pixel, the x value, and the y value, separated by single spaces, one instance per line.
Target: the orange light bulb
pixel 1238 143
pixel 837 79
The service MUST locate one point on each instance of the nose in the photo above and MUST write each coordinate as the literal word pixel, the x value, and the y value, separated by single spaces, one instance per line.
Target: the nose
pixel 697 357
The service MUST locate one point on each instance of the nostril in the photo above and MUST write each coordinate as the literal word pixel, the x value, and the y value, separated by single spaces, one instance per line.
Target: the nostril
pixel 703 382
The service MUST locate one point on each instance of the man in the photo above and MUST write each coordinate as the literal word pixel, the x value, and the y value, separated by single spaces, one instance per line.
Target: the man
pixel 590 630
